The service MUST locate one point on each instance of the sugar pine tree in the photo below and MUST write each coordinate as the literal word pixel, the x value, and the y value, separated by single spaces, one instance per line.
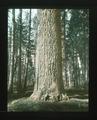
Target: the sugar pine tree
pixel 48 56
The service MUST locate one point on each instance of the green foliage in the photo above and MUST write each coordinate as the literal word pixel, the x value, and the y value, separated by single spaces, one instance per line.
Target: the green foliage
pixel 76 44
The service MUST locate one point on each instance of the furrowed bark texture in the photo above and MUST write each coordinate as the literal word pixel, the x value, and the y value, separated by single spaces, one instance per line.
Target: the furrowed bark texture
pixel 48 54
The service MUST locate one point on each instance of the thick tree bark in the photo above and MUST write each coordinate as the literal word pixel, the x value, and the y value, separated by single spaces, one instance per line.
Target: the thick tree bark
pixel 48 55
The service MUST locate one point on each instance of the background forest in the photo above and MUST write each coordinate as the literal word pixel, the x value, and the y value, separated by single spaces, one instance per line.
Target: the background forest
pixel 48 59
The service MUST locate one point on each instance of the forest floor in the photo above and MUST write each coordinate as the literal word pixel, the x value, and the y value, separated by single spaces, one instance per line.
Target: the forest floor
pixel 78 101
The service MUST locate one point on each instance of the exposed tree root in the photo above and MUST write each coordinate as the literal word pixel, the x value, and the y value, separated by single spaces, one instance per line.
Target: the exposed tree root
pixel 52 97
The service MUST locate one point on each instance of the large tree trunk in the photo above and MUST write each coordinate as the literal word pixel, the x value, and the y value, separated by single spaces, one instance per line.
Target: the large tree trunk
pixel 48 55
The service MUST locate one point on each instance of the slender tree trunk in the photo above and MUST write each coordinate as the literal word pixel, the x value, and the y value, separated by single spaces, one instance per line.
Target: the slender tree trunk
pixel 63 47
pixel 48 55
pixel 19 85
pixel 73 74
pixel 76 70
pixel 28 54
pixel 25 80
pixel 12 71
pixel 9 57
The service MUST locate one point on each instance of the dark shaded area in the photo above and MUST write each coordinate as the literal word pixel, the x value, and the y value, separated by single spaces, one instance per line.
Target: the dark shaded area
pixel 15 95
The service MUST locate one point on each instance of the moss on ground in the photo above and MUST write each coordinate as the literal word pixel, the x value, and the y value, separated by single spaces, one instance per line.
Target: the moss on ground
pixel 26 104
pixel 78 102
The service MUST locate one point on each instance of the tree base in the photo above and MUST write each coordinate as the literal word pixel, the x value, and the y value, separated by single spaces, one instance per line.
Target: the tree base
pixel 38 96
